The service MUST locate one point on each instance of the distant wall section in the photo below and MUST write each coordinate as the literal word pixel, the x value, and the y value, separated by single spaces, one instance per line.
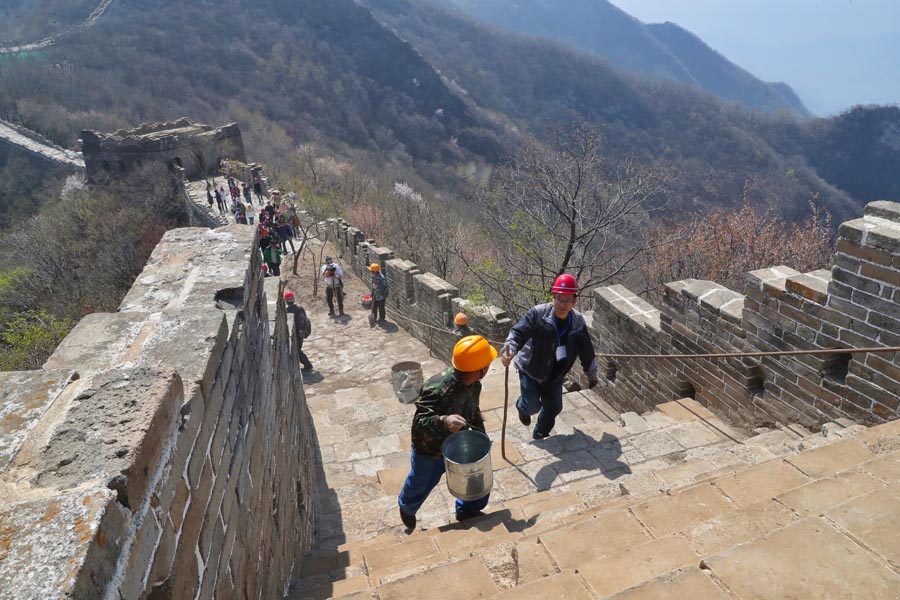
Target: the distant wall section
pixel 196 148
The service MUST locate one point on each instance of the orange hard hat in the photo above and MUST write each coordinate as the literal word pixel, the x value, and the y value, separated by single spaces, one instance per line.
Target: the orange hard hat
pixel 461 319
pixel 473 353
pixel 374 267
pixel 564 284
pixel 289 296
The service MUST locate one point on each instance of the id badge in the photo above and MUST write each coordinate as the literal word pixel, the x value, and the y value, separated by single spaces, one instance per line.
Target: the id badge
pixel 560 353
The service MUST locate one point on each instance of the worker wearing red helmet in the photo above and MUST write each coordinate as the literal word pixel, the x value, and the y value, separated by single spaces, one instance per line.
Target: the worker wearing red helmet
pixel 545 343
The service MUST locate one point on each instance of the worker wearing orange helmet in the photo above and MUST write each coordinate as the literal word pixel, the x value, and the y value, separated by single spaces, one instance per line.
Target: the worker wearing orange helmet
pixel 379 290
pixel 545 343
pixel 461 327
pixel 448 402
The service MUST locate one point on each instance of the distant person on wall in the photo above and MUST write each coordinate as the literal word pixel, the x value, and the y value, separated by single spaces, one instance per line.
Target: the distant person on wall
pixel 302 327
pixel 461 327
pixel 209 197
pixel 286 233
pixel 270 209
pixel 251 212
pixel 449 402
pixel 220 202
pixel 334 284
pixel 379 292
pixel 272 256
pixel 245 190
pixel 223 205
pixel 257 189
pixel 545 343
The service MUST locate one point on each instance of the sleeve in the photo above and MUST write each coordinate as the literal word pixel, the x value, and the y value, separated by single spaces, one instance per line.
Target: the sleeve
pixel 588 356
pixel 429 410
pixel 520 333
pixel 338 271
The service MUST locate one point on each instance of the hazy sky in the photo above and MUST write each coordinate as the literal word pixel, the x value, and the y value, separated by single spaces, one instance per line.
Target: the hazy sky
pixel 834 53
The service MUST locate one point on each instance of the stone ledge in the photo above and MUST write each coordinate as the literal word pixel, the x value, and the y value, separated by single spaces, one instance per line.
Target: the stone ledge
pixel 813 286
pixel 24 398
pixel 884 210
pixel 771 280
pixel 47 544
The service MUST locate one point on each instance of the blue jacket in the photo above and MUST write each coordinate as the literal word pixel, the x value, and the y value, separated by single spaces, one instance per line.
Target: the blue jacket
pixel 534 340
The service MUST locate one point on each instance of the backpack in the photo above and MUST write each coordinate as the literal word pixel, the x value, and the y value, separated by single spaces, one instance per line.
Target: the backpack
pixel 304 326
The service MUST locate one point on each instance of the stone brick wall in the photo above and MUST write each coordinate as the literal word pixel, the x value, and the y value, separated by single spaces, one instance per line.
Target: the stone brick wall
pixel 165 450
pixel 422 303
pixel 180 143
pixel 855 305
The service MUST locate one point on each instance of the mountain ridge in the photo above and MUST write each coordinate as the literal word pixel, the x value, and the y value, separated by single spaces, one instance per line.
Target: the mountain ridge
pixel 649 50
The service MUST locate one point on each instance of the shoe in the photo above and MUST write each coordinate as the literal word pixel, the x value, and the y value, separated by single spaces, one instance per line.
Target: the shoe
pixel 308 369
pixel 341 314
pixel 524 419
pixel 538 435
pixel 408 520
pixel 331 314
pixel 460 517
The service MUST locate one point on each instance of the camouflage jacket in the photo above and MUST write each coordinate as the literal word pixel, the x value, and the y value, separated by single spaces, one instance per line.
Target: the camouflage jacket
pixel 461 331
pixel 442 395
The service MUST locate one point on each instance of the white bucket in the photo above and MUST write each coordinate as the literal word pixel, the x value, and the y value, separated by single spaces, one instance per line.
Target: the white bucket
pixel 406 379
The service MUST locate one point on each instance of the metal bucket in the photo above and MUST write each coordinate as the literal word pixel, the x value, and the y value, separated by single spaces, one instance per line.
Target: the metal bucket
pixel 406 379
pixel 366 301
pixel 467 459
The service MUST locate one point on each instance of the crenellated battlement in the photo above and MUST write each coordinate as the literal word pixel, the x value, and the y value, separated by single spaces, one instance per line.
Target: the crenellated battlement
pixel 422 303
pixel 854 305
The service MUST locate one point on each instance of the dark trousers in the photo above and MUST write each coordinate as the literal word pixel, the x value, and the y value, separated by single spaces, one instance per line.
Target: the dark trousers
pixel 378 309
pixel 275 269
pixel 304 360
pixel 424 474
pixel 330 293
pixel 545 398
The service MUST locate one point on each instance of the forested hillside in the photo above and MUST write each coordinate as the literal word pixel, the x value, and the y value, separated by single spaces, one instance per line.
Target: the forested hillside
pixel 652 50
pixel 417 87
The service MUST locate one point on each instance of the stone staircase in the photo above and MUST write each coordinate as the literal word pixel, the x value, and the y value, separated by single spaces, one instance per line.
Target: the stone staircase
pixel 671 504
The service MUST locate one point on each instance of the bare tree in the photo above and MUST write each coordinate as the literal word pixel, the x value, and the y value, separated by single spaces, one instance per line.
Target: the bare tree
pixel 559 208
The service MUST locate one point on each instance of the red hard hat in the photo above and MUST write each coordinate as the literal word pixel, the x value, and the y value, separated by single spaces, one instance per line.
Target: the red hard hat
pixel 288 296
pixel 564 284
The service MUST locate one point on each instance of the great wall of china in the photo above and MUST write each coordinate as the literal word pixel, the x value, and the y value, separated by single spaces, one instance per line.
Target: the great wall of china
pixel 172 449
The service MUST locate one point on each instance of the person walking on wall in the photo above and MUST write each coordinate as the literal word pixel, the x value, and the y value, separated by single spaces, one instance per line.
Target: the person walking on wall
pixel 257 189
pixel 272 257
pixel 333 275
pixel 545 343
pixel 379 292
pixel 461 327
pixel 302 327
pixel 220 200
pixel 448 402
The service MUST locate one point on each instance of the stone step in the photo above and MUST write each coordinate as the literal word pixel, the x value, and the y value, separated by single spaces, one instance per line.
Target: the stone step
pixel 539 542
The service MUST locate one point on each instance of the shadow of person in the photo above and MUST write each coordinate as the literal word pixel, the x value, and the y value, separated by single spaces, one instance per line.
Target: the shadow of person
pixel 387 327
pixel 580 452
pixel 312 376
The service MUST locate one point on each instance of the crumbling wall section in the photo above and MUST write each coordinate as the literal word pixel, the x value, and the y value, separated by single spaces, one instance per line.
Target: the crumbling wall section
pixel 167 448
pixel 854 305
pixel 422 303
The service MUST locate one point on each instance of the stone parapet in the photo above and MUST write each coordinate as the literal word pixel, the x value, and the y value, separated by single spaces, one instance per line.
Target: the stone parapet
pixel 166 447
pixel 422 303
pixel 856 304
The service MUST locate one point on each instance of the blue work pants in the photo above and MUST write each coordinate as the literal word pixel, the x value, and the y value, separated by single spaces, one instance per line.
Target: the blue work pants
pixel 544 397
pixel 425 472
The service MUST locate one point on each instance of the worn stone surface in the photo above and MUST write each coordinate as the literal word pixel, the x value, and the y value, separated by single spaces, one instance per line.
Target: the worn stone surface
pixel 671 513
pixel 447 579
pixel 871 520
pixel 24 397
pixel 760 483
pixel 62 529
pixel 809 559
pixel 608 576
pixel 684 583
pixel 738 526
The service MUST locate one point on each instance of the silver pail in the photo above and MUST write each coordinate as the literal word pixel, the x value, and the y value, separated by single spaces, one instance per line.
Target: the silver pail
pixel 467 459
pixel 406 379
